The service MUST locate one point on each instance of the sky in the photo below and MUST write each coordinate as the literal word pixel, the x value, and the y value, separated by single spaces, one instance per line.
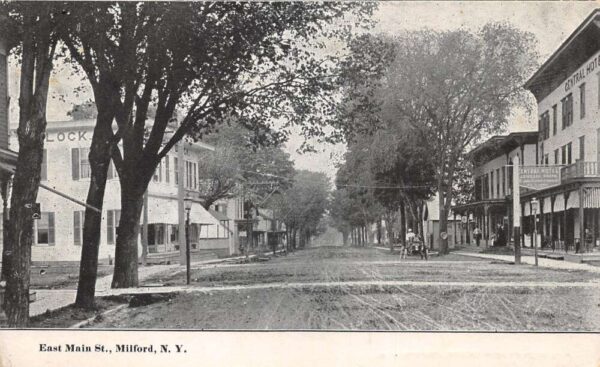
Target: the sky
pixel 550 22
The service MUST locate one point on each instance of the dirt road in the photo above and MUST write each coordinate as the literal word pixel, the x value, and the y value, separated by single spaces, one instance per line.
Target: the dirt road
pixel 365 289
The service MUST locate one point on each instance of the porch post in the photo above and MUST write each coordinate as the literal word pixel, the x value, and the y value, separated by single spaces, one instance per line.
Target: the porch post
pixel 552 239
pixel 564 226
pixel 486 218
pixel 522 222
pixel 581 219
pixel 454 212
pixel 543 222
pixel 468 238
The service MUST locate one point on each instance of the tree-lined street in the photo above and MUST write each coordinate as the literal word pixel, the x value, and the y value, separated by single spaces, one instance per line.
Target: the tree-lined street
pixel 366 289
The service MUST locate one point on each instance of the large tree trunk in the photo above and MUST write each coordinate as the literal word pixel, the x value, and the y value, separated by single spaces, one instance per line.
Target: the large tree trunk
pixel 99 162
pixel 20 237
pixel 126 246
pixel 36 65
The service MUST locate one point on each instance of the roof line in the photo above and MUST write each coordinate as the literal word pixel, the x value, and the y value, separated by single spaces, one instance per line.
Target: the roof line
pixel 565 43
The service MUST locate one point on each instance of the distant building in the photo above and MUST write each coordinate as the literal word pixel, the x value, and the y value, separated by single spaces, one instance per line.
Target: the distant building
pixel 567 90
pixel 492 174
pixel 431 225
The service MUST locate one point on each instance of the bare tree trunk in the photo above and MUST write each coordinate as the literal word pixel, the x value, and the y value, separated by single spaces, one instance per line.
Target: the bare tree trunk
pixel 99 159
pixel 36 65
pixel 345 238
pixel 126 249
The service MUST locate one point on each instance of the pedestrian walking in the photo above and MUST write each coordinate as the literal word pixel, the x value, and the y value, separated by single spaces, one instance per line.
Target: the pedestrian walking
pixel 423 252
pixel 477 234
pixel 589 239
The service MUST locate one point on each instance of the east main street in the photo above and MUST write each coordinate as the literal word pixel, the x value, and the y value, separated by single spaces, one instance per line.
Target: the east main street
pixel 337 288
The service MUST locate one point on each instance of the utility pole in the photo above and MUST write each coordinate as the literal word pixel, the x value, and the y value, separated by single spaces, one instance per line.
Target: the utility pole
pixel 516 196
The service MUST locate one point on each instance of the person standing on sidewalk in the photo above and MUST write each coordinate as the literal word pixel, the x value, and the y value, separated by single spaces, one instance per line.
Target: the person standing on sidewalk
pixel 477 234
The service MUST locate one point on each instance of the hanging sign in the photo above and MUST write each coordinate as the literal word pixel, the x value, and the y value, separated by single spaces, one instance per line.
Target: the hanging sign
pixel 539 177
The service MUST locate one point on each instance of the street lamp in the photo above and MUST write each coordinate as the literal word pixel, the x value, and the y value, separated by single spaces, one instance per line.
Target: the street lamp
pixel 188 207
pixel 534 208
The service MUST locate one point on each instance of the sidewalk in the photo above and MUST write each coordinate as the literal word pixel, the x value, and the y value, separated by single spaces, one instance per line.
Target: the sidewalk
pixel 528 259
pixel 52 299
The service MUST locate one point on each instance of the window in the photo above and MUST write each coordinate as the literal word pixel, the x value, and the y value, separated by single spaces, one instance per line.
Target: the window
pixel 503 181
pixel 191 179
pixel 225 224
pixel 44 172
pixel 112 222
pixel 544 126
pixel 564 154
pixel 556 157
pixel 156 234
pixel 567 111
pixel 546 160
pixel 176 169
pixel 582 147
pixel 554 119
pixel 582 100
pixel 498 182
pixel 167 173
pixel 569 161
pixel 174 233
pixel 80 164
pixel 158 173
pixel 45 229
pixel 78 217
pixel 541 159
pixel 491 184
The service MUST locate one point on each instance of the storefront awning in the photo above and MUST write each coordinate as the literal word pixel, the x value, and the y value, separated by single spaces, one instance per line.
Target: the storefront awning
pixel 591 198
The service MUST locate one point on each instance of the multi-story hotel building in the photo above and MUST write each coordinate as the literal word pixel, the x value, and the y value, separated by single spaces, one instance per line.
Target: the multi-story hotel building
pixel 567 90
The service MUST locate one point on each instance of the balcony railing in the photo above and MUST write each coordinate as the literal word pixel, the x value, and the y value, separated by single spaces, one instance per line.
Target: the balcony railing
pixel 579 169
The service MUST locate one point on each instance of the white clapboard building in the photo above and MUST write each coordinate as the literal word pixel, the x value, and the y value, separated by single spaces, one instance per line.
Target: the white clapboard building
pixel 58 233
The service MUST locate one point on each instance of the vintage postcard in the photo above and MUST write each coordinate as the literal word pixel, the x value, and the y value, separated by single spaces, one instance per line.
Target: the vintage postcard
pixel 268 183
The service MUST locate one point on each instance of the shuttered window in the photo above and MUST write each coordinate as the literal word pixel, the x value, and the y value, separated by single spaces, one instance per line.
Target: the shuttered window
pixel 44 172
pixel 75 163
pixel 167 173
pixel 78 217
pixel 80 164
pixel 112 222
pixel 45 229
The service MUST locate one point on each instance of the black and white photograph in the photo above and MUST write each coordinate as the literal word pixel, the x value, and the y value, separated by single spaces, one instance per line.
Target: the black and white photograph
pixel 299 166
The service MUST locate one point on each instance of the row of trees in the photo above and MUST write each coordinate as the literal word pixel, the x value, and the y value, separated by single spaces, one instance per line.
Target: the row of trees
pixel 203 62
pixel 413 105
pixel 302 207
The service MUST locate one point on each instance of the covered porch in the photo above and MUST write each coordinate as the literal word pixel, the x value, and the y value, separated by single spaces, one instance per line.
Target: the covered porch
pixel 487 215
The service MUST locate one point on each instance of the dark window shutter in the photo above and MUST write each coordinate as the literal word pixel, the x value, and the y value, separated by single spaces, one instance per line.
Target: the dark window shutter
pixel 44 173
pixel 51 229
pixel 77 228
pixel 75 163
